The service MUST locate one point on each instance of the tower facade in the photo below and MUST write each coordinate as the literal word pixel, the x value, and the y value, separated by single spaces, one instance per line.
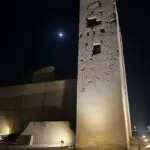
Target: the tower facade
pixel 103 119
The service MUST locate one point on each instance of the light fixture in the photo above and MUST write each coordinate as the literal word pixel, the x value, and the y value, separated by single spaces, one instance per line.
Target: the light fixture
pixel 134 127
pixel 148 146
pixel 145 140
pixel 62 142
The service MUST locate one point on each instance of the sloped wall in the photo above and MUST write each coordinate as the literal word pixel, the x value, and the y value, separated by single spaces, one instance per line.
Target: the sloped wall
pixel 50 133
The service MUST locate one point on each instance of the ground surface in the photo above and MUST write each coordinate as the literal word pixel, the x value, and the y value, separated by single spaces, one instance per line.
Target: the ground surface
pixel 29 147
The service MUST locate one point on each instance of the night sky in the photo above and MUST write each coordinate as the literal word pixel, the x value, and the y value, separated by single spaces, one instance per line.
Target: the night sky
pixel 29 41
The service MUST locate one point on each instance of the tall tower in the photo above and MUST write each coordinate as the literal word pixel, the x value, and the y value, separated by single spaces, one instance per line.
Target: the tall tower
pixel 103 119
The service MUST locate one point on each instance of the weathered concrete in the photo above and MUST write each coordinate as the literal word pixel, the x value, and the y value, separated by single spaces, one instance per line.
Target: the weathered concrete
pixel 51 101
pixel 103 119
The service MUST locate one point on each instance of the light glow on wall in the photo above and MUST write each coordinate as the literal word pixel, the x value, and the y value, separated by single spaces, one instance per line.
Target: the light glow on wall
pixel 4 126
pixel 62 134
pixel 5 130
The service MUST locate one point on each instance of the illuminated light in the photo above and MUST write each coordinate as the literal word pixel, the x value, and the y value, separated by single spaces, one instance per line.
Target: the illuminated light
pixel 134 127
pixel 4 127
pixel 145 140
pixel 4 130
pixel 148 146
pixel 143 136
pixel 62 136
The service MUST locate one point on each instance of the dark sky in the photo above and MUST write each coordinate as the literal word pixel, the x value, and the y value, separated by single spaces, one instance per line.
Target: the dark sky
pixel 134 21
pixel 29 36
pixel 29 41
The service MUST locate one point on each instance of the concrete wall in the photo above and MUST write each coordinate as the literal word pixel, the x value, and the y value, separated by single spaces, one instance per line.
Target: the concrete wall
pixel 49 101
pixel 101 106
pixel 50 133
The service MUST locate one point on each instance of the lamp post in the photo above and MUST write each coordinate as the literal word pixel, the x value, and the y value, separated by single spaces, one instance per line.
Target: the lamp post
pixel 134 128
pixel 62 142
pixel 148 128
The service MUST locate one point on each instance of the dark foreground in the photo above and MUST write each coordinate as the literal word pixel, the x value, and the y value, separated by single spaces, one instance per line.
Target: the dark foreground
pixel 32 148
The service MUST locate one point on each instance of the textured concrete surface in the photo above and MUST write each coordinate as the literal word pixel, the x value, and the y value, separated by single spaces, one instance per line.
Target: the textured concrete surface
pixel 51 101
pixel 103 119
pixel 50 133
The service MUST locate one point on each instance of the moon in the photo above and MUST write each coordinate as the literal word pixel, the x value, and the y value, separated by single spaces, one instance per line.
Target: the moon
pixel 60 34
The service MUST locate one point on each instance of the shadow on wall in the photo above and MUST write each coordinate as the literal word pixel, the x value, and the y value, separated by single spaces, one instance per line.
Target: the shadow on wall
pixel 69 103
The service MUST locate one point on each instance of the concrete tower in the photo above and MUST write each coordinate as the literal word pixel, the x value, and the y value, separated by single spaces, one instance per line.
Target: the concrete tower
pixel 103 119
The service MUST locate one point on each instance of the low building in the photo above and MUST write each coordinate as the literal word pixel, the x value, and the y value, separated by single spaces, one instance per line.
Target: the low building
pixel 37 102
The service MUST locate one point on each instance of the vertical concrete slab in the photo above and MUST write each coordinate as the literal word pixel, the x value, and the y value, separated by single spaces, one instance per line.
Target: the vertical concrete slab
pixel 102 117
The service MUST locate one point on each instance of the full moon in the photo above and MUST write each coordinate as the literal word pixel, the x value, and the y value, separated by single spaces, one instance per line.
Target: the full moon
pixel 60 34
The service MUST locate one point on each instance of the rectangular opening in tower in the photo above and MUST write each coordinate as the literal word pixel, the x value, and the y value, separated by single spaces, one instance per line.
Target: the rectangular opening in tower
pixel 92 21
pixel 96 49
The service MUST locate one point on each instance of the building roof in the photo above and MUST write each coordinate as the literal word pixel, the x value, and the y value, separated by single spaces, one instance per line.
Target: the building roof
pixel 45 70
